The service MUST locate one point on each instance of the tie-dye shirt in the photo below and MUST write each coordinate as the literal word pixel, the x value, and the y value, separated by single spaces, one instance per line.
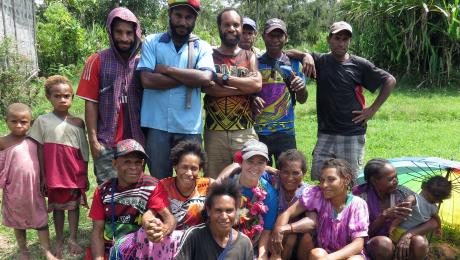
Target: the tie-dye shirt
pixel 278 113
pixel 188 211
pixel 335 231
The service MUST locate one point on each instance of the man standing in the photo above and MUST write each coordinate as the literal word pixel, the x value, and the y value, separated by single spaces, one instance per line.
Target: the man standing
pixel 342 113
pixel 173 67
pixel 229 121
pixel 111 93
pixel 283 85
pixel 249 36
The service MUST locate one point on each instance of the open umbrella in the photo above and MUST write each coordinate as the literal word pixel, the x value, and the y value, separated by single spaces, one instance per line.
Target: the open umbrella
pixel 412 171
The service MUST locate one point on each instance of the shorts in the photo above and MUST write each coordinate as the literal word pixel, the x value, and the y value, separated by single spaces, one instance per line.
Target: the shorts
pixel 103 168
pixel 65 199
pixel 349 148
pixel 220 147
pixel 276 144
pixel 397 233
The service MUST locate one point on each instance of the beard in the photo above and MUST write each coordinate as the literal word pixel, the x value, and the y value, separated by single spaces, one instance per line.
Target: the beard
pixel 124 50
pixel 176 35
pixel 227 42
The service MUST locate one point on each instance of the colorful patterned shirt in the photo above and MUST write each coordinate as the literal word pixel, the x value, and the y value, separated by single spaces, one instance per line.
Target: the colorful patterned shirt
pixel 232 112
pixel 130 203
pixel 187 210
pixel 278 113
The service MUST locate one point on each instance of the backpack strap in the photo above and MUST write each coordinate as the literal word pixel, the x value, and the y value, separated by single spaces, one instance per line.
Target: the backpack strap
pixel 191 44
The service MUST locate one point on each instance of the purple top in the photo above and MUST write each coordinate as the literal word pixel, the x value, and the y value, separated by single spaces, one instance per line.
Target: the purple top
pixel 336 230
pixel 367 192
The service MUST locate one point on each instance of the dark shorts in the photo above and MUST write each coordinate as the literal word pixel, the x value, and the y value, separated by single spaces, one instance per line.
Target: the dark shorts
pixel 278 143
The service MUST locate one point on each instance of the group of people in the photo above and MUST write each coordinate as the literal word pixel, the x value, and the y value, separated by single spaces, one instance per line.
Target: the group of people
pixel 251 200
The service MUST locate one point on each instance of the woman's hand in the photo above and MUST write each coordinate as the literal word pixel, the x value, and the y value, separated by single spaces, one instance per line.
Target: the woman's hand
pixel 402 211
pixel 276 242
pixel 403 246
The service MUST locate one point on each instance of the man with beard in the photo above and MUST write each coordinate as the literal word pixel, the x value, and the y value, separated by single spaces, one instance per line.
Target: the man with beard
pixel 111 93
pixel 229 121
pixel 171 105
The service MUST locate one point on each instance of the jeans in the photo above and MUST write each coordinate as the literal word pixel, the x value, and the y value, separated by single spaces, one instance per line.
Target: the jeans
pixel 158 146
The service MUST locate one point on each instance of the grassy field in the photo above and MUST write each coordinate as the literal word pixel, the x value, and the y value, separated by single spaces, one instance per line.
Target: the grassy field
pixel 413 122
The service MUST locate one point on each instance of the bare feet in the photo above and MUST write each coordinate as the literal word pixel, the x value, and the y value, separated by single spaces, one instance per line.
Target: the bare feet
pixel 49 255
pixel 58 250
pixel 75 248
pixel 24 255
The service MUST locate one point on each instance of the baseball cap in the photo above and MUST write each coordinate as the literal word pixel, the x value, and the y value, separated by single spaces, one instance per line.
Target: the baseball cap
pixel 340 26
pixel 254 147
pixel 194 4
pixel 273 24
pixel 248 21
pixel 128 146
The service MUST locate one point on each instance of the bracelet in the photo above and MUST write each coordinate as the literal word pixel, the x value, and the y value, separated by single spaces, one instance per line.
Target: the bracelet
pixel 292 230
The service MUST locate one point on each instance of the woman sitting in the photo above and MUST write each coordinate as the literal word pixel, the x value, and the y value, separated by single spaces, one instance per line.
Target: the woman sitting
pixel 343 218
pixel 216 239
pixel 386 201
pixel 186 194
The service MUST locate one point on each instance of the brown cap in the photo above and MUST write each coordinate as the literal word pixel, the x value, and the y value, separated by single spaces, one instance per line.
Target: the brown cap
pixel 340 26
pixel 273 24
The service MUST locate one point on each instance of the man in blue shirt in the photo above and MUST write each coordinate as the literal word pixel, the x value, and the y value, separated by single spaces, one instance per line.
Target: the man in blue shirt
pixel 171 105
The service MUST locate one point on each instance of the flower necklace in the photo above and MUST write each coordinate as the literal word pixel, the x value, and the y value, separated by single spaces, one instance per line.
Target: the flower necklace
pixel 250 216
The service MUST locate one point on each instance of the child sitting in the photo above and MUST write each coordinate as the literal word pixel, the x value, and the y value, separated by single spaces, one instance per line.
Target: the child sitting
pixel 434 190
pixel 23 206
pixel 63 155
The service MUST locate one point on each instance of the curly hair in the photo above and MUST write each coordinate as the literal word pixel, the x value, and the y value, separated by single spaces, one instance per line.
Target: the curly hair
pixel 187 147
pixel 438 186
pixel 226 187
pixel 292 155
pixel 55 80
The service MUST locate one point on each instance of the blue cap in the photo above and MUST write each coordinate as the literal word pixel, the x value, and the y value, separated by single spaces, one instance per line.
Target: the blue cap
pixel 250 22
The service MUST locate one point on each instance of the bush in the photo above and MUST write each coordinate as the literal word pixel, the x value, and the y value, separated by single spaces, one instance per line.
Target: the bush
pixel 15 76
pixel 60 38
pixel 408 37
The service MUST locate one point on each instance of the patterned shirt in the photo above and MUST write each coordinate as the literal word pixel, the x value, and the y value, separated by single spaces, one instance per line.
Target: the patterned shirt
pixel 129 204
pixel 188 211
pixel 278 113
pixel 232 112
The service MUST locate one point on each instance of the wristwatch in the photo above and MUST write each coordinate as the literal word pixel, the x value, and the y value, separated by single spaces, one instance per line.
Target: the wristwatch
pixel 225 79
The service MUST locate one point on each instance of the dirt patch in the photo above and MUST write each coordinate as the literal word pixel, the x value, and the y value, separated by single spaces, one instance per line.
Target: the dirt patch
pixel 443 251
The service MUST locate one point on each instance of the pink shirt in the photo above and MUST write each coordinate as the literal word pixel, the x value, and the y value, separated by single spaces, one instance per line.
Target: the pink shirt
pixel 336 230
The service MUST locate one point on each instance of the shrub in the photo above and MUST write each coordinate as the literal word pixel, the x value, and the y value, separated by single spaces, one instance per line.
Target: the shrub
pixel 60 38
pixel 15 76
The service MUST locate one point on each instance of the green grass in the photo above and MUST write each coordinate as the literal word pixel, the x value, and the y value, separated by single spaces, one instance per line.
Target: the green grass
pixel 413 122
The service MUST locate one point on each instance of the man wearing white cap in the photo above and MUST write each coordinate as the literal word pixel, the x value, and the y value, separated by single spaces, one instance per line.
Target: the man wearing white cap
pixel 341 109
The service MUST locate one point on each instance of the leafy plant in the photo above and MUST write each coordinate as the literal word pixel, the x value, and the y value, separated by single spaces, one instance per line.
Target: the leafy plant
pixel 16 72
pixel 408 36
pixel 60 38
